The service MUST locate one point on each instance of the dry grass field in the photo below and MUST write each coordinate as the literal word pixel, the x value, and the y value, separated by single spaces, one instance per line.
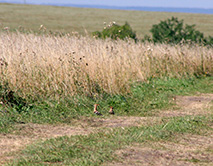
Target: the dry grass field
pixel 49 65
pixel 84 20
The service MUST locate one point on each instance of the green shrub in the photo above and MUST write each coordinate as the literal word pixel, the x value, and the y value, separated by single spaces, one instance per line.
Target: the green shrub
pixel 209 40
pixel 115 31
pixel 173 31
pixel 9 98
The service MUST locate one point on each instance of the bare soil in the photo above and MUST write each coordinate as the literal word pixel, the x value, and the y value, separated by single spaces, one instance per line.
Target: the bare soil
pixel 190 105
pixel 26 134
pixel 189 148
pixel 125 121
pixel 30 133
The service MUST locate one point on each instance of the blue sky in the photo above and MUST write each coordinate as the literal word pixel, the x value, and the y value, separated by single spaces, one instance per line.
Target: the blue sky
pixel 147 3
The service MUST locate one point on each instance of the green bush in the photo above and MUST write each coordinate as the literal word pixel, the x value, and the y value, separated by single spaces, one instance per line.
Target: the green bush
pixel 173 31
pixel 209 40
pixel 9 98
pixel 115 32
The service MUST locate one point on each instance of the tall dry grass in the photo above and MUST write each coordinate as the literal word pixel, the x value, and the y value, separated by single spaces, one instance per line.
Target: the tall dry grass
pixel 49 66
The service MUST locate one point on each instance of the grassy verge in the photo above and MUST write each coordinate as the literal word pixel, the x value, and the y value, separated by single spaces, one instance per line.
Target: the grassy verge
pixel 95 149
pixel 143 100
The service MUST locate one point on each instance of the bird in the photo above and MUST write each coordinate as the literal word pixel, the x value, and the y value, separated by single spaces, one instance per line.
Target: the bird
pixel 111 110
pixel 95 110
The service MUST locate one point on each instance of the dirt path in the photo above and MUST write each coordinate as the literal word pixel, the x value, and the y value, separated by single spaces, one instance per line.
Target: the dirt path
pixel 186 151
pixel 29 133
pixel 26 134
pixel 190 105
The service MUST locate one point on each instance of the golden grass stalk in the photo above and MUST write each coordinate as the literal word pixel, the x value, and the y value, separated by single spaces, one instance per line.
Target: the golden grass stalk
pixel 49 66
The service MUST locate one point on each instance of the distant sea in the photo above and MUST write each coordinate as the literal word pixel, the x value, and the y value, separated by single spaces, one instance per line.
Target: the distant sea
pixel 153 9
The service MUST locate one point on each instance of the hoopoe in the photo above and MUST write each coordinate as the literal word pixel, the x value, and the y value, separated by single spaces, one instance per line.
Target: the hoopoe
pixel 111 110
pixel 95 110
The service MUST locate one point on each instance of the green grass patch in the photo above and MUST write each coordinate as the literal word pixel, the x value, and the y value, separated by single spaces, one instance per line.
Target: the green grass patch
pixel 143 100
pixel 95 149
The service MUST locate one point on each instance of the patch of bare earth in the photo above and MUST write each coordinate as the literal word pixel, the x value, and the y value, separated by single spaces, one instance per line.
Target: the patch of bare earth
pixel 30 133
pixel 26 134
pixel 186 151
pixel 124 121
pixel 190 105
